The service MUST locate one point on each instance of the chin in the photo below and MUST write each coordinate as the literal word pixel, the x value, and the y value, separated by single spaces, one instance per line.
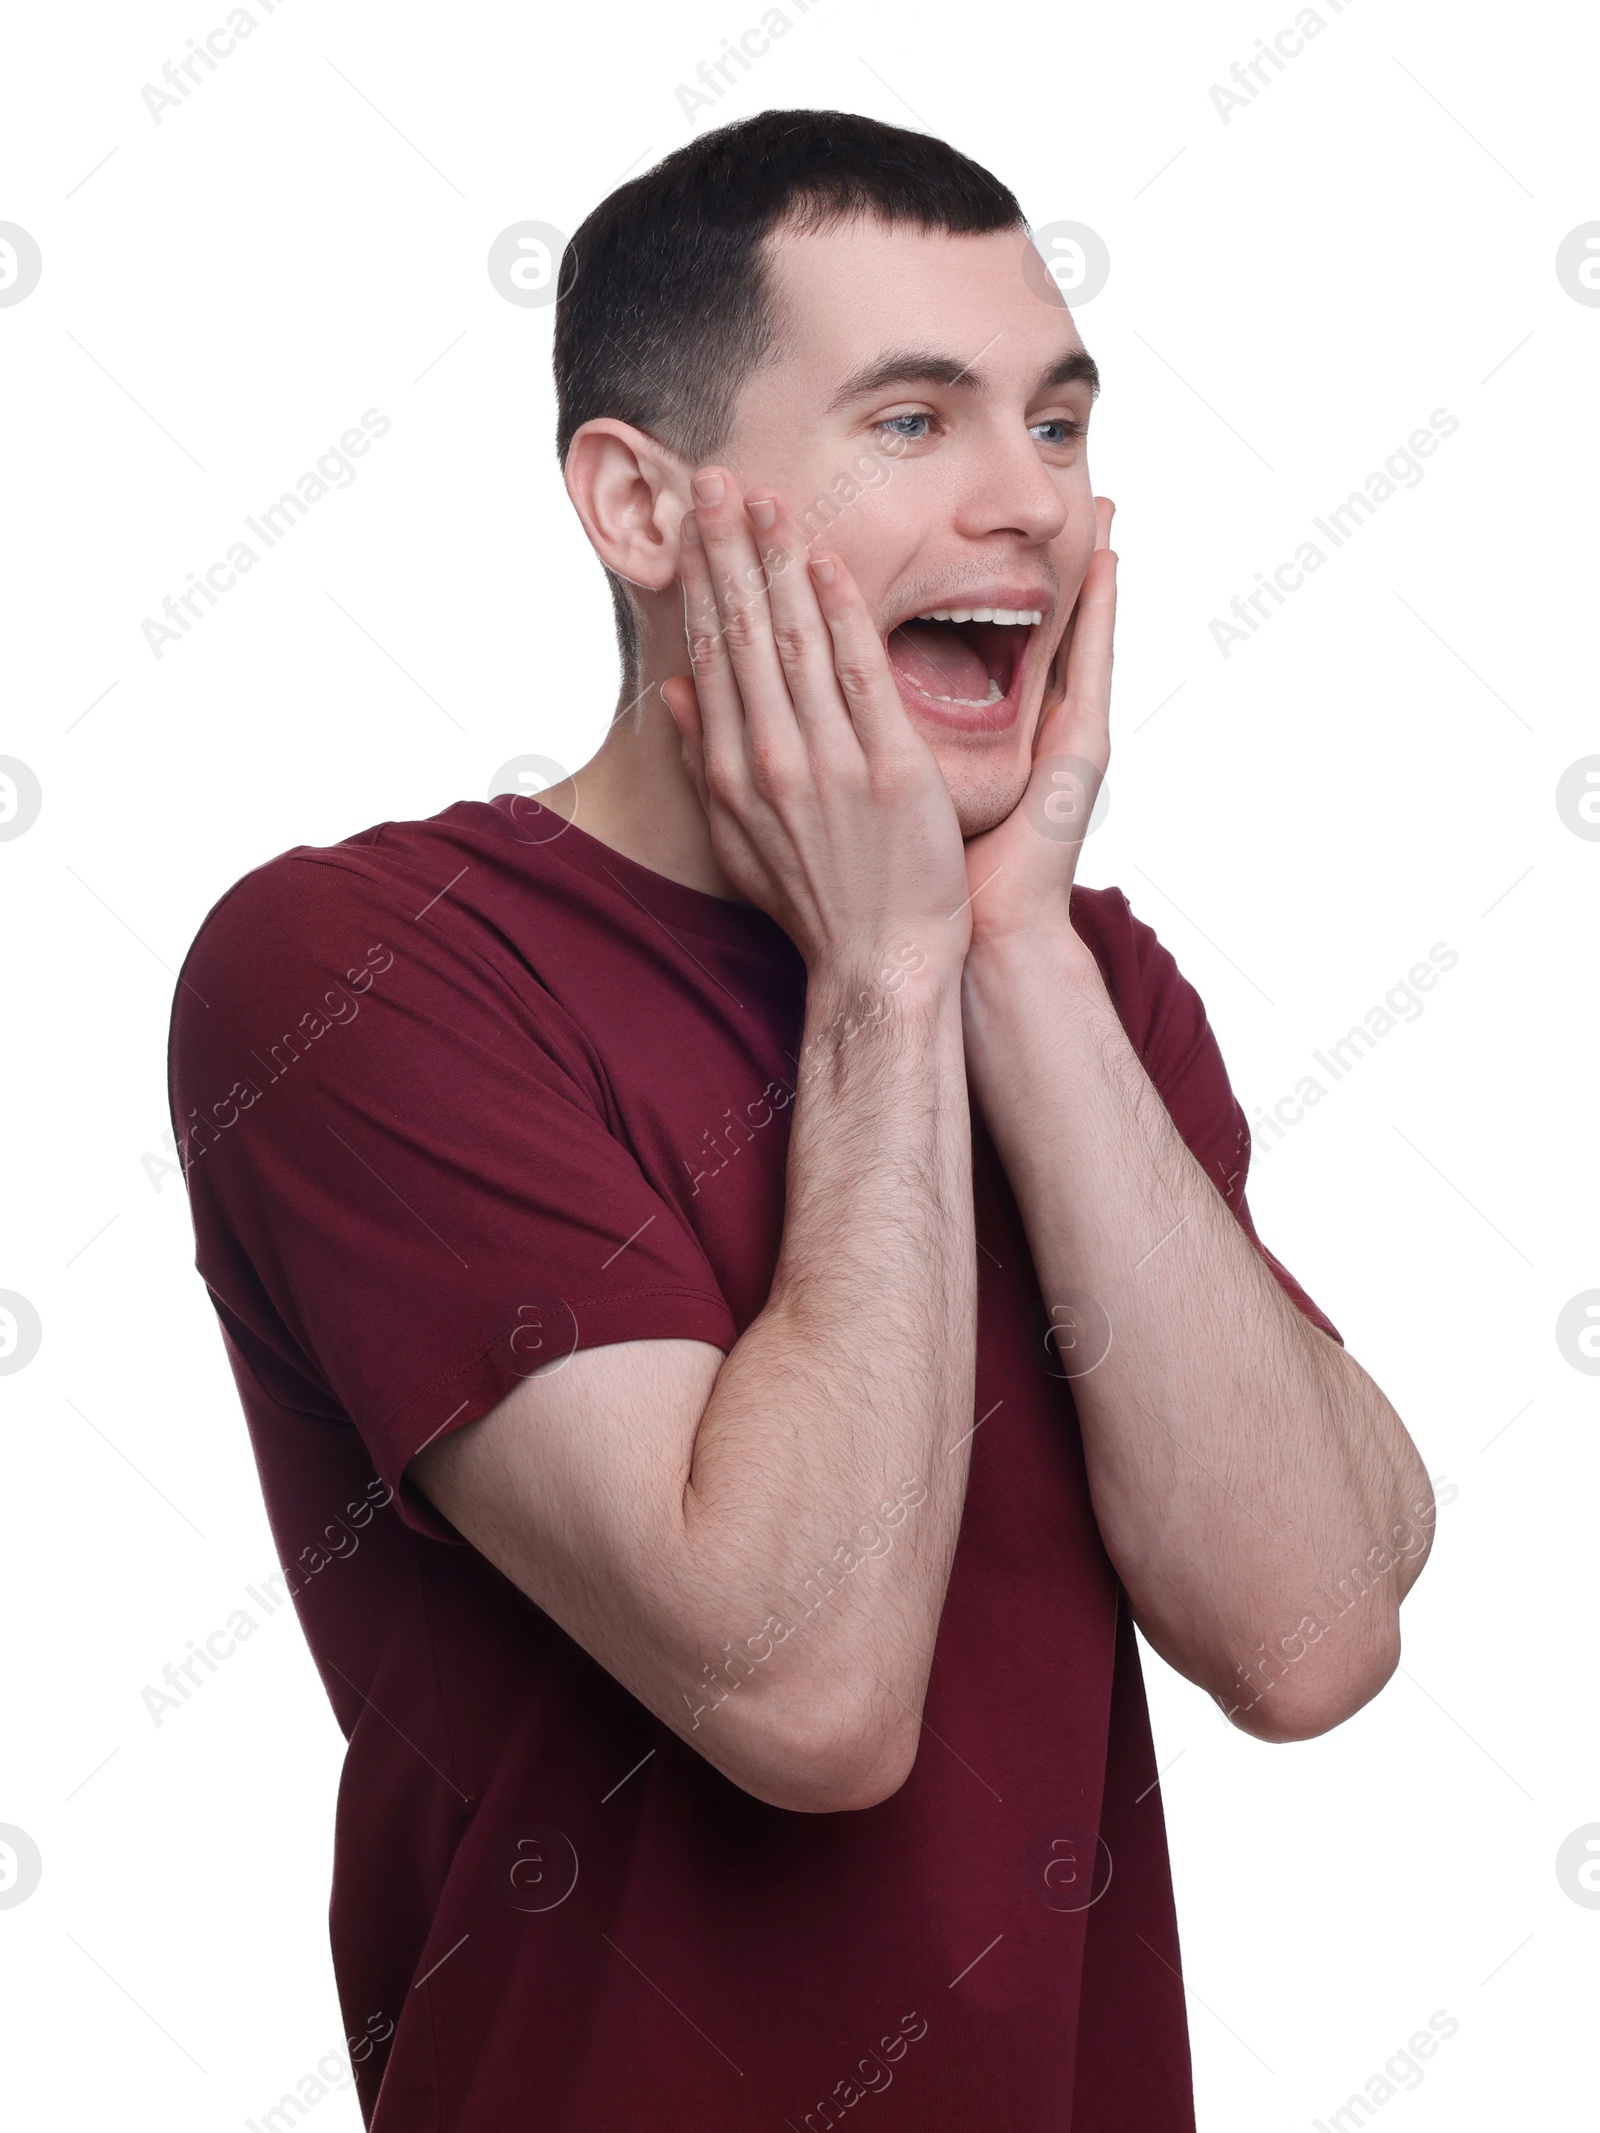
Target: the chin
pixel 983 795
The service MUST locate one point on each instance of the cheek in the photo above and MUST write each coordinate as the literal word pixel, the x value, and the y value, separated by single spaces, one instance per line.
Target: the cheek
pixel 879 535
pixel 852 500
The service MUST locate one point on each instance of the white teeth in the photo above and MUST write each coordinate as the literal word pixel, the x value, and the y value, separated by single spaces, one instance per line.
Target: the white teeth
pixel 982 614
pixel 974 703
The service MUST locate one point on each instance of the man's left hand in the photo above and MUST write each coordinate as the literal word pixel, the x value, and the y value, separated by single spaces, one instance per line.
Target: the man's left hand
pixel 1020 873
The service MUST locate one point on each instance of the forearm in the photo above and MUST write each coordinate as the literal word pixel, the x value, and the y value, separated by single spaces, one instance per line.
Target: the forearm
pixel 1241 1465
pixel 828 1472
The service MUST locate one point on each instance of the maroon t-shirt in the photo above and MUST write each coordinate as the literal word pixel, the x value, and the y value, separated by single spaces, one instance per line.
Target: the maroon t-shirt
pixel 457 1097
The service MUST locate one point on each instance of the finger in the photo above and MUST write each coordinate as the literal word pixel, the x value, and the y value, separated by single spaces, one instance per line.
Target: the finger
pixel 1082 719
pixel 730 843
pixel 799 628
pixel 1056 684
pixel 738 581
pixel 860 663
pixel 720 710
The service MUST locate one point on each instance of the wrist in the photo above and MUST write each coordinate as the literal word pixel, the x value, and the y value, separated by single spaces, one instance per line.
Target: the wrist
pixel 1049 954
pixel 861 999
pixel 901 973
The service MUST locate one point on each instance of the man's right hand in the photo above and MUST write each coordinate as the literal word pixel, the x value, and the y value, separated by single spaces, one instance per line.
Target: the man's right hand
pixel 826 807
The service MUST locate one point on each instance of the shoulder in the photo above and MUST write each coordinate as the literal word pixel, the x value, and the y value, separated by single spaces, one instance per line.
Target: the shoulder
pixel 1155 1003
pixel 393 914
pixel 309 888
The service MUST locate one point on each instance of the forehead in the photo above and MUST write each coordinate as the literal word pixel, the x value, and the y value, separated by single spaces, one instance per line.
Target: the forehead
pixel 853 291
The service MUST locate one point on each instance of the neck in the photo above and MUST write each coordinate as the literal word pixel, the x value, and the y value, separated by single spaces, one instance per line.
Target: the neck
pixel 635 795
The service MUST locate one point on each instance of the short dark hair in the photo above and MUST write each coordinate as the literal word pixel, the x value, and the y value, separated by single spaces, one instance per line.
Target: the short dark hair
pixel 664 306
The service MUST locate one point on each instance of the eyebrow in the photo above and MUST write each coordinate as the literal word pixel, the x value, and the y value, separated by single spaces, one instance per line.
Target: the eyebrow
pixel 907 366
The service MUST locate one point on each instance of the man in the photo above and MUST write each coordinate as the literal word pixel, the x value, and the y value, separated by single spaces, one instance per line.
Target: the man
pixel 738 1272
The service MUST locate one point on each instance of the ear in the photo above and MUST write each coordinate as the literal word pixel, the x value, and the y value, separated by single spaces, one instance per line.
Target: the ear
pixel 631 494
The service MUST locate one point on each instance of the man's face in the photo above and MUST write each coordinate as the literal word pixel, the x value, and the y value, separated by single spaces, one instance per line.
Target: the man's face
pixel 919 423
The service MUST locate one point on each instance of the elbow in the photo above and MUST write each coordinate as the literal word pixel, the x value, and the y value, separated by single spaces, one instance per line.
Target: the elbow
pixel 825 1763
pixel 832 1786
pixel 1299 1709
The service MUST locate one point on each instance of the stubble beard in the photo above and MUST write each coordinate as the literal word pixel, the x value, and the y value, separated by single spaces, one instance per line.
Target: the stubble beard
pixel 984 795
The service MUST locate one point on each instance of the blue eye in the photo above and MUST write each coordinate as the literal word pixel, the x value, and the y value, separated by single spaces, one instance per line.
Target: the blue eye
pixel 1068 430
pixel 893 423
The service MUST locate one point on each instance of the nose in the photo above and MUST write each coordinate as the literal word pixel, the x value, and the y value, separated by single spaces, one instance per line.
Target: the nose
pixel 1007 489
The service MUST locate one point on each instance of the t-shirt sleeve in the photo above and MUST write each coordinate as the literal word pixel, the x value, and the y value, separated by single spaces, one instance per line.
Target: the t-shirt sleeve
pixel 1166 1023
pixel 408 1189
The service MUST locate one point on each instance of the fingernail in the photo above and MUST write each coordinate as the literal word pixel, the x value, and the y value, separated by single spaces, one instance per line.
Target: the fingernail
pixel 763 511
pixel 707 488
pixel 691 532
pixel 822 570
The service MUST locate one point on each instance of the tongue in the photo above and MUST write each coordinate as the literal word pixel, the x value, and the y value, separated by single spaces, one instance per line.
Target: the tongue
pixel 936 658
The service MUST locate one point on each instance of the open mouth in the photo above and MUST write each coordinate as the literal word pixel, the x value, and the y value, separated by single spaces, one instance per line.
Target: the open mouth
pixel 962 666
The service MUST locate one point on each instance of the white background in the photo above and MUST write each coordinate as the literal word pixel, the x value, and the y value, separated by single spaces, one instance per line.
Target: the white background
pixel 1292 293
